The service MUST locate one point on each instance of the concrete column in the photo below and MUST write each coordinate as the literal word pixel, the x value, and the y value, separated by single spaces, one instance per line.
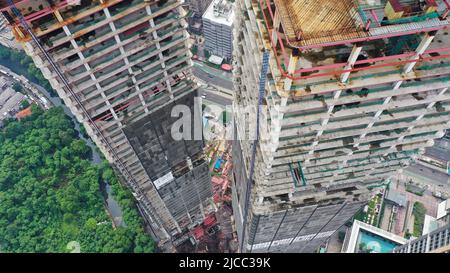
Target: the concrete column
pixel 127 62
pixel 325 121
pixel 426 41
pixel 351 62
pixel 93 78
pixel 19 32
pixel 427 244
pixel 160 55
pixel 293 60
pixel 276 127
pixel 418 118
pixel 276 28
pixel 58 16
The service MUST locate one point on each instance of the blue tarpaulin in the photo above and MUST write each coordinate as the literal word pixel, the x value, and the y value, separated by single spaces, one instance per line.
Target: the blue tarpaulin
pixel 218 163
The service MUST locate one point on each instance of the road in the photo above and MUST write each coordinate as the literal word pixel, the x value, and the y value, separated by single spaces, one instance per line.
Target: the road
pixel 438 153
pixel 213 76
pixel 443 143
pixel 212 96
pixel 426 174
pixel 384 224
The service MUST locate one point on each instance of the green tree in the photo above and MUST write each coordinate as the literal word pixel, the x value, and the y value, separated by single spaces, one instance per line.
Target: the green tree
pixel 419 211
pixel 24 104
pixel 17 87
pixel 22 64
pixel 91 224
pixel 50 193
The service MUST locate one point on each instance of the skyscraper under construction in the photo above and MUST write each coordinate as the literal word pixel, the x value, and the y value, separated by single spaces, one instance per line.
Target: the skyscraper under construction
pixel 356 89
pixel 120 66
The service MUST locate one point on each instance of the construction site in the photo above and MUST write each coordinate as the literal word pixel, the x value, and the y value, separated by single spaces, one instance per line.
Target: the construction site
pixel 350 92
pixel 217 234
pixel 342 95
pixel 120 66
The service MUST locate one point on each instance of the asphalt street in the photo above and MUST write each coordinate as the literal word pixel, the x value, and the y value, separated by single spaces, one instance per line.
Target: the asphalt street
pixel 438 153
pixel 213 97
pixel 213 76
pixel 424 173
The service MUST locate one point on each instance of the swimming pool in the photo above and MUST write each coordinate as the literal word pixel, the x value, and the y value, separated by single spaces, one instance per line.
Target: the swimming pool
pixel 374 243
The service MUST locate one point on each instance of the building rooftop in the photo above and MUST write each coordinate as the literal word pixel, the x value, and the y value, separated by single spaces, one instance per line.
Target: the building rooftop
pixel 24 113
pixel 438 153
pixel 396 197
pixel 430 224
pixel 374 239
pixel 313 22
pixel 215 60
pixel 220 12
pixel 443 209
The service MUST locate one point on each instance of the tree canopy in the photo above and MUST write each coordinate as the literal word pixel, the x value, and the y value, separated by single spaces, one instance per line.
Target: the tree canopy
pixel 50 192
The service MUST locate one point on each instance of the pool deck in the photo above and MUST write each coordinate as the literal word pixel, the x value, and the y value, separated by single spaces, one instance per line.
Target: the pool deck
pixel 355 231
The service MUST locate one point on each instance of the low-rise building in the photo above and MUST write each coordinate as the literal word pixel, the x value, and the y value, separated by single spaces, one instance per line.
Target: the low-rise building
pixel 443 213
pixel 396 198
pixel 10 102
pixel 364 238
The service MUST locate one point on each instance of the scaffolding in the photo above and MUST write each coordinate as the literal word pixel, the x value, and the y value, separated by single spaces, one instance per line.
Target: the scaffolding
pixel 280 40
pixel 262 89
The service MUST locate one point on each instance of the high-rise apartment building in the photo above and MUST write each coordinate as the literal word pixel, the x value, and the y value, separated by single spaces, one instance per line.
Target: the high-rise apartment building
pixel 120 66
pixel 355 90
pixel 437 241
pixel 218 22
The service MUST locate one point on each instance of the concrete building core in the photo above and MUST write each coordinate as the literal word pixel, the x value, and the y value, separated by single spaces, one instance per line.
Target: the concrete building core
pixel 355 91
pixel 125 64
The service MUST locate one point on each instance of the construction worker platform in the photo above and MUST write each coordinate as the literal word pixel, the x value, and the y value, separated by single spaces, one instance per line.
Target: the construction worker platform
pixel 308 22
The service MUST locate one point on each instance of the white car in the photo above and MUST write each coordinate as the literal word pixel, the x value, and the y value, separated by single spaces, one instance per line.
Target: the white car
pixel 209 116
